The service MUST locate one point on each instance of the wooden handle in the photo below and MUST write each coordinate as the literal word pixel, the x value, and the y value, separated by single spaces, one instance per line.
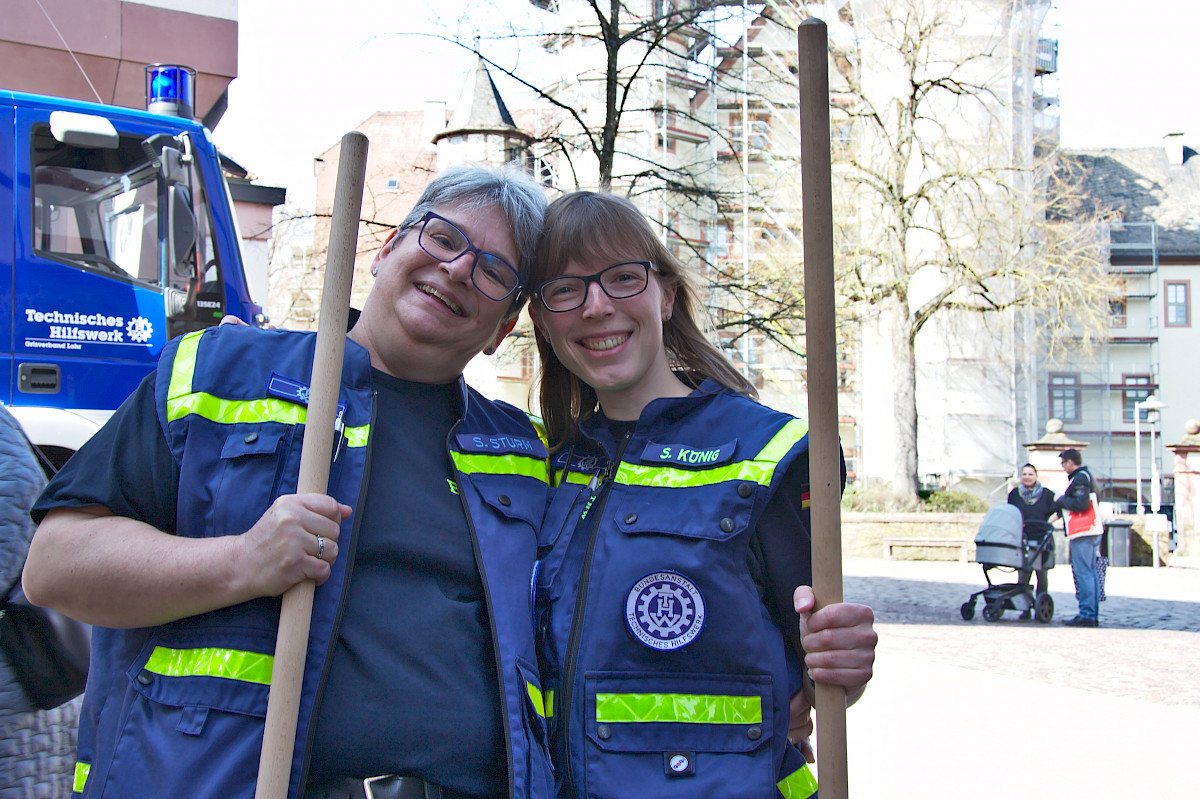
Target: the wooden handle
pixel 820 325
pixel 291 645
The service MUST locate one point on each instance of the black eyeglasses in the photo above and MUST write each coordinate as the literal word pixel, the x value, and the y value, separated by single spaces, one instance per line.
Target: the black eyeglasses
pixel 619 281
pixel 495 277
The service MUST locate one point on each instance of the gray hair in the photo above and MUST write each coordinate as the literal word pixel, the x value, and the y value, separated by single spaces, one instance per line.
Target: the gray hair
pixel 510 188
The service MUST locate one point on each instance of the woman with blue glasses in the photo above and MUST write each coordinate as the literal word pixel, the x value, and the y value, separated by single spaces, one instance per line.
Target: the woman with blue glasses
pixel 670 636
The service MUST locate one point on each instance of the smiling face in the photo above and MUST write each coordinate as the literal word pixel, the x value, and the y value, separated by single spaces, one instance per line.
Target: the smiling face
pixel 1028 476
pixel 424 319
pixel 615 346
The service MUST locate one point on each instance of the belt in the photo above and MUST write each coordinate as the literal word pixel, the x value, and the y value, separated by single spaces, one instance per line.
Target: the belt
pixel 387 786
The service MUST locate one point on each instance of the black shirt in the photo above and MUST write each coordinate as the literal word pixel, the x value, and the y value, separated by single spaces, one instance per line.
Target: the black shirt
pixel 412 687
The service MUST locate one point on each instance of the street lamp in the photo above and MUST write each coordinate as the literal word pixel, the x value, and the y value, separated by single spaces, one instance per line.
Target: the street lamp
pixel 1151 405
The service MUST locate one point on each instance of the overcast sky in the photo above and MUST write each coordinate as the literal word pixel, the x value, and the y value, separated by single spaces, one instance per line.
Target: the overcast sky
pixel 1128 72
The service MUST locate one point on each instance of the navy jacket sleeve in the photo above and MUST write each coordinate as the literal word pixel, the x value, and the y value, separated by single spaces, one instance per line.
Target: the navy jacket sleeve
pixel 1077 497
pixel 126 467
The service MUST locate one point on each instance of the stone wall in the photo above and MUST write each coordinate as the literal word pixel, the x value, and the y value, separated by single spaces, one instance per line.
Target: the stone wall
pixel 863 536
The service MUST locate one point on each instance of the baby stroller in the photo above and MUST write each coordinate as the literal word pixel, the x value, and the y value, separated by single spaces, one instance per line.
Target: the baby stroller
pixel 1004 542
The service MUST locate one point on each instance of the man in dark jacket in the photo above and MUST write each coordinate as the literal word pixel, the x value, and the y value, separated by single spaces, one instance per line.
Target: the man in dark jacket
pixel 1080 509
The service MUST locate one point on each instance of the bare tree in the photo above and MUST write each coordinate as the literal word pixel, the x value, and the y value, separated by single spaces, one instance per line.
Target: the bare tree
pixel 634 109
pixel 953 214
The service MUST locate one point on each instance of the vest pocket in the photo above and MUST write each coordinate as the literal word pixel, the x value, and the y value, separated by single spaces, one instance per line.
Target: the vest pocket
pixel 193 718
pixel 678 736
pixel 249 470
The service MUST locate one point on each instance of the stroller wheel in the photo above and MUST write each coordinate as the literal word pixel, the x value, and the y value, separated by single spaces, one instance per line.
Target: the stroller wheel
pixel 1045 608
pixel 993 611
pixel 967 610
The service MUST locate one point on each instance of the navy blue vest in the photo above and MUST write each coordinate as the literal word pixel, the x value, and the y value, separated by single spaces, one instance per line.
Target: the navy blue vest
pixel 178 710
pixel 671 679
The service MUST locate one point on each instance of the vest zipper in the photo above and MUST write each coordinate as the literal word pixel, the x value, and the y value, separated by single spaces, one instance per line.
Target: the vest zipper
pixel 342 600
pixel 487 594
pixel 581 592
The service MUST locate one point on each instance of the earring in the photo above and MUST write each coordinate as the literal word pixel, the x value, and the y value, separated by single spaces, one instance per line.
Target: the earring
pixel 374 269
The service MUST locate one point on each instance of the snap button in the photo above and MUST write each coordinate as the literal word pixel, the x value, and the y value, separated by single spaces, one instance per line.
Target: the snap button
pixel 744 490
pixel 727 525
pixel 630 518
pixel 504 500
pixel 604 732
pixel 754 733
pixel 145 677
pixel 251 438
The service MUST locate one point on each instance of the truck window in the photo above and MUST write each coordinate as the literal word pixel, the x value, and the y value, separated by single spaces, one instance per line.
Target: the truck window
pixel 97 208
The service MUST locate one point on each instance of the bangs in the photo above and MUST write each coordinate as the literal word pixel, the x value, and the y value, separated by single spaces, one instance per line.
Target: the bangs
pixel 593 227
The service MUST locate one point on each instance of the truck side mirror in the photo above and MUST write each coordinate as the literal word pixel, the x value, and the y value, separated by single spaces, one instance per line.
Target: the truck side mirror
pixel 181 231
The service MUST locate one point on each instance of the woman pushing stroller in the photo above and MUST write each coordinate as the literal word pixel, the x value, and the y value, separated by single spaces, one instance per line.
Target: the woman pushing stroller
pixel 1037 505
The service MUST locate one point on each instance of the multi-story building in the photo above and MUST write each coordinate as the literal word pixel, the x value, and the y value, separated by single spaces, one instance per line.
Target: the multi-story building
pixel 1154 252
pixel 726 115
pixel 407 148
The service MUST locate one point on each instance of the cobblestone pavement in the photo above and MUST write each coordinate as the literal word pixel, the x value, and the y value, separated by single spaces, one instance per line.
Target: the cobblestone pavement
pixel 1146 646
pixel 1017 708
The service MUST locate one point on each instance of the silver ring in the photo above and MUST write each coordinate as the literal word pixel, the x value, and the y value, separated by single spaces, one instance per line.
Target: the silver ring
pixel 320 548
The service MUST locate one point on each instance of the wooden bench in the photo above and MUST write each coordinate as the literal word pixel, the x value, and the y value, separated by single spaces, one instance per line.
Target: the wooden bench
pixel 960 544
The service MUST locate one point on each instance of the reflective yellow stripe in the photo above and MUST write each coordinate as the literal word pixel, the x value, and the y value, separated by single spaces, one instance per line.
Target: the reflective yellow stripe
pixel 579 478
pixel 758 469
pixel 540 426
pixel 230 664
pixel 778 446
pixel 550 704
pixel 800 784
pixel 255 411
pixel 535 696
pixel 181 400
pixel 235 411
pixel 81 775
pixel 685 708
pixel 475 463
pixel 357 436
pixel 184 366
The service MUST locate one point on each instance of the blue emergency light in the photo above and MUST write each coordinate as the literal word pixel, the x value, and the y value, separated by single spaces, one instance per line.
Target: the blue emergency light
pixel 170 89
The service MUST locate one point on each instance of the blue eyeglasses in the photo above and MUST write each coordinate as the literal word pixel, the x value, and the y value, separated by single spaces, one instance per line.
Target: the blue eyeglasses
pixel 495 277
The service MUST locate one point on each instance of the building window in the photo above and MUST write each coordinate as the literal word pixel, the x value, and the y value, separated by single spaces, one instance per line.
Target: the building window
pixel 1064 397
pixel 1117 312
pixel 1177 297
pixel 1131 396
pixel 393 184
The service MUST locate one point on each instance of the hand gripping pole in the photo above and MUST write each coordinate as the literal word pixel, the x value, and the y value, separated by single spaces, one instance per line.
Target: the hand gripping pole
pixel 283 704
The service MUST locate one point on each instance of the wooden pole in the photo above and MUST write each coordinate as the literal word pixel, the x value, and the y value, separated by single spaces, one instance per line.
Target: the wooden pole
pixel 291 645
pixel 820 337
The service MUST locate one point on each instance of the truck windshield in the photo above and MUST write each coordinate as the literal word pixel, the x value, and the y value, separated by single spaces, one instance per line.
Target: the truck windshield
pixel 105 210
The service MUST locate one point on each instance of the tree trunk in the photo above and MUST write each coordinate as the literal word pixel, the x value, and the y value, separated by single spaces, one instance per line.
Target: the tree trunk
pixel 904 475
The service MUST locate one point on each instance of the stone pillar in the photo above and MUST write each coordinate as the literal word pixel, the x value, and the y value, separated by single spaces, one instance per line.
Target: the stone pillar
pixel 1043 454
pixel 1187 488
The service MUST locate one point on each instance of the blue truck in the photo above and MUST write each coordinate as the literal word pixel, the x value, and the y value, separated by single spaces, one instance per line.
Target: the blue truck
pixel 118 233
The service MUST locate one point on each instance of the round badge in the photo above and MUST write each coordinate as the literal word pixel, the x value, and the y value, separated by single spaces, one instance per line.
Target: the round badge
pixel 680 764
pixel 664 610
